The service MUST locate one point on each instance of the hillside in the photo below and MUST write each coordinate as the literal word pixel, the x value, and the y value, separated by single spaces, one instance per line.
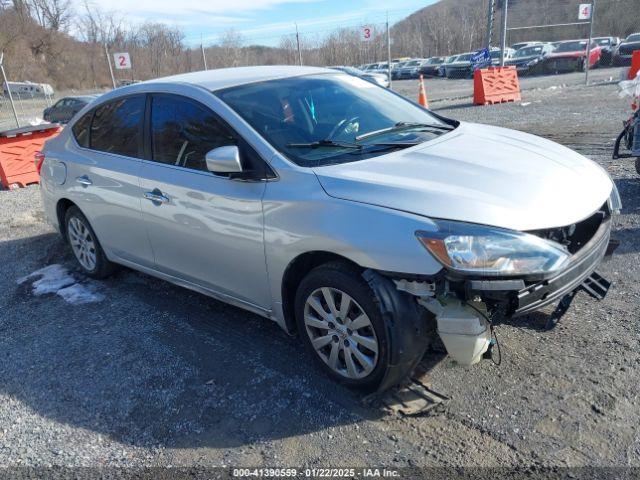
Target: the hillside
pixel 452 26
pixel 36 38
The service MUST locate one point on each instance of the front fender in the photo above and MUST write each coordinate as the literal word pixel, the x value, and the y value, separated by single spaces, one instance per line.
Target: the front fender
pixel 300 217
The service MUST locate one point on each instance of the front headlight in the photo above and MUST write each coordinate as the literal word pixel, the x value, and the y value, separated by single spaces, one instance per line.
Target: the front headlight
pixel 615 202
pixel 477 249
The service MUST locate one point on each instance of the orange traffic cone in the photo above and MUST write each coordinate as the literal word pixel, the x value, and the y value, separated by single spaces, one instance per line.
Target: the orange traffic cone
pixel 422 94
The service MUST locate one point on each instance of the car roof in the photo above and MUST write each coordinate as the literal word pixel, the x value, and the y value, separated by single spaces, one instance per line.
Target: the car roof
pixel 231 77
pixel 81 97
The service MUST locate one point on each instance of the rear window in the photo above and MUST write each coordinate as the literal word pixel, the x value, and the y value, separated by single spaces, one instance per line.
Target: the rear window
pixel 117 126
pixel 81 130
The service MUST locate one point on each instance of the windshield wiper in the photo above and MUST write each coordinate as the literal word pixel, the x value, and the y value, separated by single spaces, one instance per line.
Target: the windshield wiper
pixel 401 127
pixel 324 144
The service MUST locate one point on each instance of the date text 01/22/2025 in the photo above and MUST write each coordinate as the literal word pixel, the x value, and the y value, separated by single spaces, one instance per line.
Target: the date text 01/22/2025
pixel 316 472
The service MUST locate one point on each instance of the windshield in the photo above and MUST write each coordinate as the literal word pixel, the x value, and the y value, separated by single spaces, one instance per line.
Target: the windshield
pixel 464 58
pixel 412 63
pixel 529 51
pixel 571 46
pixel 435 61
pixel 603 42
pixel 327 109
pixel 634 38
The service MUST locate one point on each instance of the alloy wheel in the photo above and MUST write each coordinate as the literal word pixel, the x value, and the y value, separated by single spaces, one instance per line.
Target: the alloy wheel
pixel 82 243
pixel 341 333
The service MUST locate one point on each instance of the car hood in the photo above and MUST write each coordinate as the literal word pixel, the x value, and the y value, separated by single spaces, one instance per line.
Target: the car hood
pixel 629 44
pixel 521 59
pixel 479 174
pixel 576 54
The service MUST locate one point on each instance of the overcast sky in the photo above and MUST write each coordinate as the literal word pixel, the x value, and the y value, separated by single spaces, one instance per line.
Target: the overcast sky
pixel 260 21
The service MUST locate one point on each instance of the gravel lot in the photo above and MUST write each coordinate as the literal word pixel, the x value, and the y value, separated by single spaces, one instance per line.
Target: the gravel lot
pixel 155 375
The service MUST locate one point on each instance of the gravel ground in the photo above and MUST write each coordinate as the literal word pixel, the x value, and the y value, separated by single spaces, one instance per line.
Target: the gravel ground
pixel 155 375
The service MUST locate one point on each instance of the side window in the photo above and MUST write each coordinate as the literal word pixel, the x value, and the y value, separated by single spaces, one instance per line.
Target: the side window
pixel 117 126
pixel 81 130
pixel 182 132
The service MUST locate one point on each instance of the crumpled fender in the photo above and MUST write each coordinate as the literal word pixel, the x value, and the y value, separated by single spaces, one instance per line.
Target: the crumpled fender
pixel 410 328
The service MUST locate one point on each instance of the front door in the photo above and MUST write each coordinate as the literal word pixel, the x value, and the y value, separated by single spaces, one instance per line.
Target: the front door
pixel 203 228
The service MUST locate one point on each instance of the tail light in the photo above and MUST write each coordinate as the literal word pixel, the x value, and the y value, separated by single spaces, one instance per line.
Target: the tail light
pixel 39 160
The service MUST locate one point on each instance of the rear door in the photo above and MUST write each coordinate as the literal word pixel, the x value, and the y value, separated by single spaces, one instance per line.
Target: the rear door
pixel 103 177
pixel 206 229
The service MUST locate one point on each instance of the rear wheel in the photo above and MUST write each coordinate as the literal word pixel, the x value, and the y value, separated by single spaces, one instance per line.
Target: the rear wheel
pixel 85 245
pixel 341 325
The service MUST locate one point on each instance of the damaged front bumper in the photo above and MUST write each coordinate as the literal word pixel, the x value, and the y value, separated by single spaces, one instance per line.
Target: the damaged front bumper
pixel 466 308
pixel 522 296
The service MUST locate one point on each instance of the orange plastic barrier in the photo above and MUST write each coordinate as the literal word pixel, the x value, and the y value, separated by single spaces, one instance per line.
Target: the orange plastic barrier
pixel 17 150
pixel 496 85
pixel 635 65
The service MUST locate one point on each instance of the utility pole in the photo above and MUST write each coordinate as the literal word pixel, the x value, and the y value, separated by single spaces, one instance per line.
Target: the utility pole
pixel 298 42
pixel 503 34
pixel 490 18
pixel 113 79
pixel 6 83
pixel 588 59
pixel 204 57
pixel 388 50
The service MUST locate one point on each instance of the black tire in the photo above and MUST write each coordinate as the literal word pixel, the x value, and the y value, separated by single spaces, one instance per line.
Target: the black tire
pixel 348 280
pixel 638 165
pixel 103 267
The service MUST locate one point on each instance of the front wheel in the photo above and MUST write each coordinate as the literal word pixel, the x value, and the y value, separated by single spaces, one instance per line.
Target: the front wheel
pixel 341 325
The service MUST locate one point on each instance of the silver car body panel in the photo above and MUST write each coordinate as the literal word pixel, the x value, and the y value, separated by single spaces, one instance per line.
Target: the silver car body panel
pixel 480 174
pixel 235 240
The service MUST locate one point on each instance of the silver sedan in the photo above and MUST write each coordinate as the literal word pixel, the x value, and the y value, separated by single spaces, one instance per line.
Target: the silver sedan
pixel 344 212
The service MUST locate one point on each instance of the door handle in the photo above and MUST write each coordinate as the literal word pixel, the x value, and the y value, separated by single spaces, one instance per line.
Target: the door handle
pixel 156 197
pixel 84 181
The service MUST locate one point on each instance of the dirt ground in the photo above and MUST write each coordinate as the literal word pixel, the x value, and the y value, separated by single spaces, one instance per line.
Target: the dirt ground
pixel 155 375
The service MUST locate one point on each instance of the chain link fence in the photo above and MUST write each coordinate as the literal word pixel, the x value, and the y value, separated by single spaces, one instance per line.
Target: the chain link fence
pixel 583 34
pixel 29 107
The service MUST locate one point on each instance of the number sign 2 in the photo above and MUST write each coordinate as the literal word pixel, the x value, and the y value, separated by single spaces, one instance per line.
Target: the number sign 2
pixel 122 61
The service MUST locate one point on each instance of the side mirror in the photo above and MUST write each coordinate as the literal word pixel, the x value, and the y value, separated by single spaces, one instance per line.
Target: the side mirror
pixel 224 160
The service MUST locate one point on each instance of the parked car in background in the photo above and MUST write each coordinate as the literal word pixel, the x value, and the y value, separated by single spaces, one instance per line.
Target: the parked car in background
pixel 518 46
pixel 461 67
pixel 608 45
pixel 65 108
pixel 384 226
pixel 431 67
pixel 127 81
pixel 623 53
pixel 496 55
pixel 570 56
pixel 372 67
pixel 530 60
pixel 410 69
pixel 395 69
pixel 443 66
pixel 377 78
